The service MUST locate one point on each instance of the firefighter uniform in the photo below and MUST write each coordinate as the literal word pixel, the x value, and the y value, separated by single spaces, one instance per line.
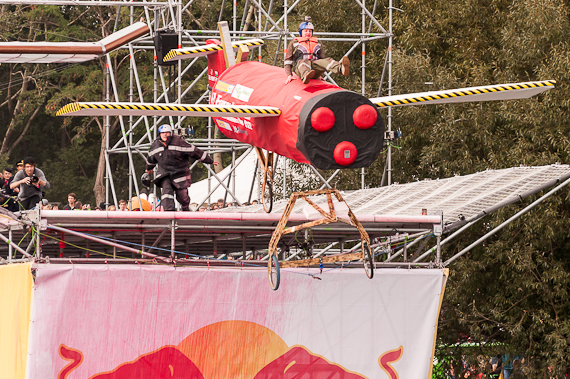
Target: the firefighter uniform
pixel 173 173
pixel 306 54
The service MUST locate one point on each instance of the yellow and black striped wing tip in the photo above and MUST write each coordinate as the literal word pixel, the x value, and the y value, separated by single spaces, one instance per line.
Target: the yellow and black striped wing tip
pixel 132 108
pixel 465 92
pixel 195 50
pixel 247 43
pixel 69 108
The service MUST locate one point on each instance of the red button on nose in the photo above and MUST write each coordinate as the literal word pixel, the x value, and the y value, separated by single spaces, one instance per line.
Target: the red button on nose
pixel 345 153
pixel 322 119
pixel 365 116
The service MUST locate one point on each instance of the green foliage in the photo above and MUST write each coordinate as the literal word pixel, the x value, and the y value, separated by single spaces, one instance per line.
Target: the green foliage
pixel 514 289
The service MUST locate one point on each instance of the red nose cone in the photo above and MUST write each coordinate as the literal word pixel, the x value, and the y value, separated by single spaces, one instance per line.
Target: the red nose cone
pixel 322 119
pixel 345 153
pixel 365 116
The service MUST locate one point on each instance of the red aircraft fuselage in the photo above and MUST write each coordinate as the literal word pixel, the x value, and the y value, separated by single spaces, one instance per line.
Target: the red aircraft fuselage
pixel 320 123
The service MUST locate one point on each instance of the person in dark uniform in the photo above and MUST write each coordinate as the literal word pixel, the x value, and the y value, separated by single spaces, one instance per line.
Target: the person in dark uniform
pixel 306 56
pixel 171 153
pixel 7 202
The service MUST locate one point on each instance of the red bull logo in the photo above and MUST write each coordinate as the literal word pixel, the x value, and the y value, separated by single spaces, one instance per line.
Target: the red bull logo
pixel 229 349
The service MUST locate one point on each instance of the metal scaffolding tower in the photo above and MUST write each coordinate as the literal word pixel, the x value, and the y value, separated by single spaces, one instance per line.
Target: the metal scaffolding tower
pixel 167 16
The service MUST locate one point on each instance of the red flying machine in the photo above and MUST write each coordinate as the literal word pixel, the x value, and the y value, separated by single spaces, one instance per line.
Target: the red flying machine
pixel 318 123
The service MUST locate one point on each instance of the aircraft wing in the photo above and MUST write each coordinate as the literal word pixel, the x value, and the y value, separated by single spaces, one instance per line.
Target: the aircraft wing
pixel 162 109
pixel 68 52
pixel 200 51
pixel 464 95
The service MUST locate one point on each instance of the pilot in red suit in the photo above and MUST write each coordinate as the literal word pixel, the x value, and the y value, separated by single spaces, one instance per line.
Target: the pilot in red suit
pixel 171 154
pixel 305 53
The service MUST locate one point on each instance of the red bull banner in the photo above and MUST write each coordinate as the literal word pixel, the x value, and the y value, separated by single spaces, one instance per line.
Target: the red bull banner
pixel 132 321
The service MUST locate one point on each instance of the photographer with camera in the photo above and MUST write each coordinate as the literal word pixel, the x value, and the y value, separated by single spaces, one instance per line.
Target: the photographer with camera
pixel 31 181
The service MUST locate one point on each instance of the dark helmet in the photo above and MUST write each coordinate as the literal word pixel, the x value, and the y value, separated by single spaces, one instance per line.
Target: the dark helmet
pixel 145 179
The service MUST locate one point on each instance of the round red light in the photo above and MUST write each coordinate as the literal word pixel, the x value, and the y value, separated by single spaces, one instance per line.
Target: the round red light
pixel 322 119
pixel 365 116
pixel 345 153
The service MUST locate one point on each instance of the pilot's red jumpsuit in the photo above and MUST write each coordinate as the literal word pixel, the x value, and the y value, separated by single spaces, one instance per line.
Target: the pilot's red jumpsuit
pixel 306 54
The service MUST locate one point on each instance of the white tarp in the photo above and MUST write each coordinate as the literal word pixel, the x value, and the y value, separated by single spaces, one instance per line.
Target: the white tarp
pixel 244 177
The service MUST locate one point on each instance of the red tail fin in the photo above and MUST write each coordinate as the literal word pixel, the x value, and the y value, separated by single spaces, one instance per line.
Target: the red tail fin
pixel 216 64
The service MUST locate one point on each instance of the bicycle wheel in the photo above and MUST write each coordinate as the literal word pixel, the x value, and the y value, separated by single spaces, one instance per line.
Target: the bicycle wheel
pixel 267 197
pixel 273 271
pixel 367 260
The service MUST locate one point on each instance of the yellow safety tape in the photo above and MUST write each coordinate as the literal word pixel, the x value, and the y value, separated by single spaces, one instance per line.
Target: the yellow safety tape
pixel 498 88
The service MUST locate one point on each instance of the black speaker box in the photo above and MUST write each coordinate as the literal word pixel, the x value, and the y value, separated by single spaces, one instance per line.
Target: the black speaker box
pixel 163 43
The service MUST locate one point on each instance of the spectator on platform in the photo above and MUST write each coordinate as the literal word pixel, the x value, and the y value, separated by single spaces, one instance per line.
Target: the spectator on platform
pixel 7 202
pixel 7 173
pixel 254 202
pixel 111 208
pixel 213 207
pixel 31 181
pixel 71 202
pixel 123 205
pixel 78 206
pixel 220 203
pixel 86 207
pixel 203 208
pixel 102 205
pixel 55 207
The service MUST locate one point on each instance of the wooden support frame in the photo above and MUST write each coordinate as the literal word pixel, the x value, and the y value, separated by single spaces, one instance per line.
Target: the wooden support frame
pixel 329 217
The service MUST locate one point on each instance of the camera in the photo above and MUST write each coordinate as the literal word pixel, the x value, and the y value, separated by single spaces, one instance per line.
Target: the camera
pixel 34 181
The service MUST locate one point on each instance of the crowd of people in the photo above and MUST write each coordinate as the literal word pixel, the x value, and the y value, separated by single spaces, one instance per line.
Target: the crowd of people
pixel 23 189
pixel 73 204
pixel 501 366
pixel 219 205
